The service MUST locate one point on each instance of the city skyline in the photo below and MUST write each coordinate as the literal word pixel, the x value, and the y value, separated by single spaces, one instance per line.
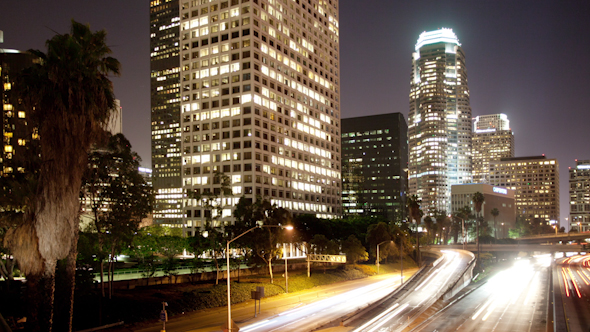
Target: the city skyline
pixel 524 59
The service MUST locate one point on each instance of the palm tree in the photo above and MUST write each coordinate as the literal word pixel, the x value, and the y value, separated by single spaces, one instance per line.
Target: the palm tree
pixel 71 98
pixel 495 212
pixel 478 200
pixel 413 205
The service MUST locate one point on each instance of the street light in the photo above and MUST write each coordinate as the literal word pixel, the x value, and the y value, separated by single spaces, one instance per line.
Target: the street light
pixel 462 230
pixel 229 321
pixel 378 253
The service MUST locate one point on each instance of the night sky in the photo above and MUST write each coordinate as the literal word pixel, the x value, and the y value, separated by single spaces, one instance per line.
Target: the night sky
pixel 527 59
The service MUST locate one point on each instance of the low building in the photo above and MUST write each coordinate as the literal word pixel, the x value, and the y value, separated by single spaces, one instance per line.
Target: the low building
pixel 494 198
pixel 535 181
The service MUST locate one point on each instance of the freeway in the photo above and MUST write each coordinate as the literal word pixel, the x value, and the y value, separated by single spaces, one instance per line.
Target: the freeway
pixel 400 310
pixel 573 277
pixel 514 299
pixel 314 315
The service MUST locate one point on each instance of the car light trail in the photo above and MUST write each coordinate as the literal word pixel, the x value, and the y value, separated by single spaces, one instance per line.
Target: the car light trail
pixel 567 289
pixel 574 282
pixel 531 288
pixel 388 318
pixel 376 318
pixel 584 279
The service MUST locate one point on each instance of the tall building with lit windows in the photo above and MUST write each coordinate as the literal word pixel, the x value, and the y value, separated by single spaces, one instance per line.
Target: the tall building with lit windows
pixel 535 181
pixel 19 138
pixel 374 164
pixel 492 140
pixel 165 111
pixel 439 121
pixel 580 196
pixel 260 90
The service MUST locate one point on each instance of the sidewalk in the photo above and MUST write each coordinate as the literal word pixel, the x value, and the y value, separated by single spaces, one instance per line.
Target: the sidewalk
pixel 243 313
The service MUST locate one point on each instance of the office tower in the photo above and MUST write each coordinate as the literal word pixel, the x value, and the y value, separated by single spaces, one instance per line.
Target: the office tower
pixel 165 110
pixel 492 140
pixel 260 105
pixel 580 196
pixel 19 139
pixel 374 165
pixel 494 198
pixel 536 182
pixel 115 125
pixel 439 122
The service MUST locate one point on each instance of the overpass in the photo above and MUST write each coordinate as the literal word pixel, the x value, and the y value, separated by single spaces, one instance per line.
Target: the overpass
pixel 515 247
pixel 545 238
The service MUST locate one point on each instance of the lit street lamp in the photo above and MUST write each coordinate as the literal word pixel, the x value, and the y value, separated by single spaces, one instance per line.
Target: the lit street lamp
pixel 378 253
pixel 229 321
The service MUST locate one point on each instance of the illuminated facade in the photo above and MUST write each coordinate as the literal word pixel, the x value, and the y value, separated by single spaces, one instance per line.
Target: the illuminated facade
pixel 580 196
pixel 439 121
pixel 492 140
pixel 494 198
pixel 260 104
pixel 19 139
pixel 374 163
pixel 165 111
pixel 536 182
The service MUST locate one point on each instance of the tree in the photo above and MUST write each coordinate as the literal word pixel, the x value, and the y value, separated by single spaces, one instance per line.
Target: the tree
pixel 414 211
pixel 430 227
pixel 478 200
pixel 443 223
pixel 262 241
pixel 354 250
pixel 170 247
pixel 118 196
pixel 71 99
pixel 376 234
pixel 495 212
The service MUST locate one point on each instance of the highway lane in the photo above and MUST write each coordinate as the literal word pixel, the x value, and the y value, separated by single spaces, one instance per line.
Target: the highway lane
pixel 397 313
pixel 514 299
pixel 574 288
pixel 311 316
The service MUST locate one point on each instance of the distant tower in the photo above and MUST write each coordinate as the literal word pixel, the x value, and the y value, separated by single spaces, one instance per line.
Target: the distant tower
pixel 580 196
pixel 115 125
pixel 492 140
pixel 439 121
pixel 165 109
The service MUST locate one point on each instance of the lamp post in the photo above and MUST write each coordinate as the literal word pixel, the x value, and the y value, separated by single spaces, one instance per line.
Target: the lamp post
pixel 229 321
pixel 378 253
pixel 503 229
pixel 401 260
pixel 462 230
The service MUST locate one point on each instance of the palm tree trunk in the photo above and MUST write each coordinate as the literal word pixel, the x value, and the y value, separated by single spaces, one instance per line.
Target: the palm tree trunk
pixel 40 293
pixel 64 301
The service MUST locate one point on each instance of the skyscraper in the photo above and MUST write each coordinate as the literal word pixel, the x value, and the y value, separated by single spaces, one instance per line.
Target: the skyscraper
pixel 19 138
pixel 374 165
pixel 260 105
pixel 492 141
pixel 165 110
pixel 439 121
pixel 536 182
pixel 580 196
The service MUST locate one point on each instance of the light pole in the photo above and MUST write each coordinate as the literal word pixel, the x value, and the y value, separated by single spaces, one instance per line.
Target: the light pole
pixel 229 321
pixel 462 230
pixel 378 253
pixel 503 229
pixel 401 260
